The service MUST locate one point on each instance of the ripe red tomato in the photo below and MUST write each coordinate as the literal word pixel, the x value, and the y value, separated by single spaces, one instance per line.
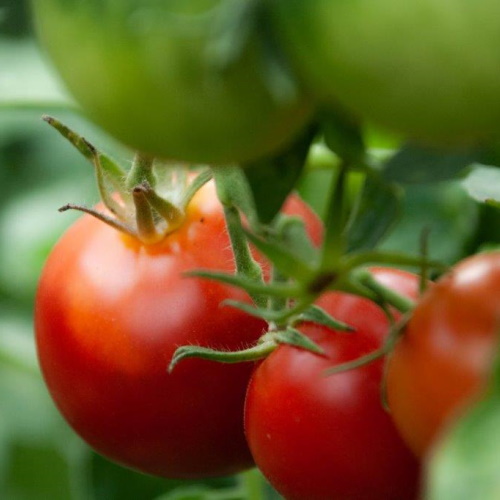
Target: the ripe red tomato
pixel 442 361
pixel 110 312
pixel 320 437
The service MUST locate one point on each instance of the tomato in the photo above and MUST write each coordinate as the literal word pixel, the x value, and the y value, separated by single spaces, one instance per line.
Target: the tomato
pixel 442 362
pixel 428 69
pixel 145 71
pixel 109 314
pixel 320 437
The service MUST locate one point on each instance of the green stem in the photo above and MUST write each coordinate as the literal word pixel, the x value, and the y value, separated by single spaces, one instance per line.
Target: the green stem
pixel 245 264
pixel 200 180
pixel 401 303
pixel 141 171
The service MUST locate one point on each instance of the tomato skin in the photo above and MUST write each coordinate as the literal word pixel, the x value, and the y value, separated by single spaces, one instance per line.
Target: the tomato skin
pixel 109 314
pixel 427 69
pixel 143 70
pixel 442 362
pixel 320 437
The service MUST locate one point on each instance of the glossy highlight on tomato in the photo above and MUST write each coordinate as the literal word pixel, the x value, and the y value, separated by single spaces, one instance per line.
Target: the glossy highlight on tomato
pixel 441 364
pixel 318 437
pixel 110 312
pixel 154 74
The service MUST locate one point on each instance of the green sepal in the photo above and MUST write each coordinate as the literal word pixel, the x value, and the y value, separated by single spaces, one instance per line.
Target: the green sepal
pixel 112 170
pixel 292 232
pixel 249 285
pixel 281 257
pixel 294 337
pixel 279 317
pixel 316 314
pixel 254 353
pixel 358 362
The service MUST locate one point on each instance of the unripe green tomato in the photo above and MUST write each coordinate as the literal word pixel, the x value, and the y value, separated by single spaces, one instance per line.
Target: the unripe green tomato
pixel 150 72
pixel 427 68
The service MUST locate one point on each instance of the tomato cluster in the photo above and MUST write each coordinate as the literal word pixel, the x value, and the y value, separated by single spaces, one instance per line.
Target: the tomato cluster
pixel 222 82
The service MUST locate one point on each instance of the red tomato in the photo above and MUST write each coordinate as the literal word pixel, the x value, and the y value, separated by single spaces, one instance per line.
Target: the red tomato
pixel 443 360
pixel 318 437
pixel 110 312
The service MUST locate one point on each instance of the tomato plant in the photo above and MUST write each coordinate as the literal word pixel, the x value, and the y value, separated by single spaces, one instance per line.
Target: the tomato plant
pixel 426 69
pixel 321 437
pixel 110 311
pixel 184 80
pixel 443 359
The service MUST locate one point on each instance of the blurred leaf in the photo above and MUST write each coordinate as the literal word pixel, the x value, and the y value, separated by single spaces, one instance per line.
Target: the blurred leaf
pixel 444 210
pixel 483 183
pixel 113 482
pixel 21 65
pixel 37 473
pixel 29 227
pixel 465 463
pixel 416 165
pixel 379 209
pixel 272 179
pixel 342 134
pixel 32 433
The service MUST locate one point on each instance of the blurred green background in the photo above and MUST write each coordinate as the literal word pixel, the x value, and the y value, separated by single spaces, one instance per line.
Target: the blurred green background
pixel 40 457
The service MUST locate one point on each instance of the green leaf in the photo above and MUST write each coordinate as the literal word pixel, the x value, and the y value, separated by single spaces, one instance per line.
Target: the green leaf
pixel 483 184
pixel 271 179
pixel 22 65
pixel 414 164
pixel 112 482
pixel 342 134
pixel 464 465
pixel 444 210
pixel 378 210
pixel 292 336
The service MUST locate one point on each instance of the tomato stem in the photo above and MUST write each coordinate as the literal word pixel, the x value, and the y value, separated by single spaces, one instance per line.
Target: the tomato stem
pixel 245 263
pixel 141 171
pixel 385 294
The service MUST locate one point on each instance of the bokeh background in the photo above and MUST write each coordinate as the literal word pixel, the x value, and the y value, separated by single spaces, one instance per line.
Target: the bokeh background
pixel 40 457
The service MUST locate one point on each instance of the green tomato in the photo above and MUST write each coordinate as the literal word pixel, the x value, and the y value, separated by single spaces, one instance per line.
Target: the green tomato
pixel 185 80
pixel 427 68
